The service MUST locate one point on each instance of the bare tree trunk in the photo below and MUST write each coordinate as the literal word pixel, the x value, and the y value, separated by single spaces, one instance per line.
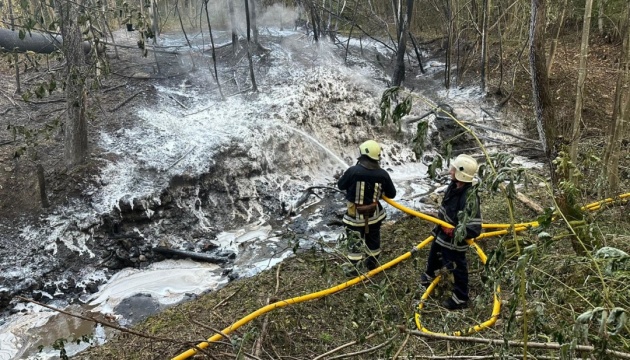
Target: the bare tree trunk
pixel 15 55
pixel 610 170
pixel 41 180
pixel 579 96
pixel 487 4
pixel 75 132
pixel 155 26
pixel 254 22
pixel 418 55
pixel 449 46
pixel 600 16
pixel 554 43
pixel 315 22
pixel 214 57
pixel 249 54
pixel 500 86
pixel 404 23
pixel 233 27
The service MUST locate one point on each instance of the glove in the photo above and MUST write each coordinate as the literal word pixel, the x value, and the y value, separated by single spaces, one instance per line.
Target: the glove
pixel 448 231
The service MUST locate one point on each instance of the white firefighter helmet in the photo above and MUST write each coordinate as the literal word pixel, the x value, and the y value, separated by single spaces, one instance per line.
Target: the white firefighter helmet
pixel 371 149
pixel 465 167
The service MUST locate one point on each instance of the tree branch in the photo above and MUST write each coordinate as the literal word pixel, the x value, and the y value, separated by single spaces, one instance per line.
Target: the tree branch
pixel 511 343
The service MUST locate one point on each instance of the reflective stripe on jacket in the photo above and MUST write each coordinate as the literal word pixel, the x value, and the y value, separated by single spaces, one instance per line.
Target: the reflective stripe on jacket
pixel 364 184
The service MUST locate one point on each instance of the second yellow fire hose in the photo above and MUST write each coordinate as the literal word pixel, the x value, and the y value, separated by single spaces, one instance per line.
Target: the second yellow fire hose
pixel 506 228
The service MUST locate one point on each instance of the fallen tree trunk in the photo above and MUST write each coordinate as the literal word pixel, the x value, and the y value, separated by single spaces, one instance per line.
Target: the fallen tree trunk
pixel 35 41
pixel 191 255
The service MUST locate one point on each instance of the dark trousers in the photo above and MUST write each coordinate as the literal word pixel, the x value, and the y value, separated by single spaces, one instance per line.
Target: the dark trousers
pixel 455 262
pixel 372 241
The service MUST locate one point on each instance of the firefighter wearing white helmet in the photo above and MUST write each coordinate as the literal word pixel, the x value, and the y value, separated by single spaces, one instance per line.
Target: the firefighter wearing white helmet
pixel 460 203
pixel 364 184
pixel 465 167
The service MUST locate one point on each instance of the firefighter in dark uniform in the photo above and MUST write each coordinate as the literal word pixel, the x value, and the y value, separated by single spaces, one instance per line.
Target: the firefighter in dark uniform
pixel 448 250
pixel 364 184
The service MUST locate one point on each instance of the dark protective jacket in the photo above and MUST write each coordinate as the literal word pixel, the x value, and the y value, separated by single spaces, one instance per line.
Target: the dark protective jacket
pixel 452 210
pixel 364 184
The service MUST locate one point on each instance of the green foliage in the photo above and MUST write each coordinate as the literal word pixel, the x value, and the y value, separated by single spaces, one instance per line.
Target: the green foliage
pixel 435 165
pixel 401 108
pixel 30 138
pixel 422 131
pixel 504 171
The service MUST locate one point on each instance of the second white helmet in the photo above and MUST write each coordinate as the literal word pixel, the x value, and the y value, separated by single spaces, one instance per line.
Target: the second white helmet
pixel 465 168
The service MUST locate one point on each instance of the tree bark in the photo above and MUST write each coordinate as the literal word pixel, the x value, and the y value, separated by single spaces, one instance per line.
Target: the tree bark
pixel 249 54
pixel 449 46
pixel 579 96
pixel 233 26
pixel 41 180
pixel 75 132
pixel 399 70
pixel 600 16
pixel 487 4
pixel 610 170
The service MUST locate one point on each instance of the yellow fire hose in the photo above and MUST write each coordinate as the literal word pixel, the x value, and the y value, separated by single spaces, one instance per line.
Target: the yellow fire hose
pixel 316 295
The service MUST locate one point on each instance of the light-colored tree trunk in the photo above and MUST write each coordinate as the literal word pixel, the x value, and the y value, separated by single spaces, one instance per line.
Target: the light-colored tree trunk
pixel 554 42
pixel 579 95
pixel 75 131
pixel 621 113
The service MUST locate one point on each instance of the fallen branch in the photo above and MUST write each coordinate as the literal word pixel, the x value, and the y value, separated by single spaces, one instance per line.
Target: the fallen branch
pixel 227 298
pixel 190 254
pixel 366 351
pixel 526 201
pixel 114 87
pixel 127 100
pixel 180 159
pixel 212 329
pixel 344 346
pixel 402 346
pixel 512 343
